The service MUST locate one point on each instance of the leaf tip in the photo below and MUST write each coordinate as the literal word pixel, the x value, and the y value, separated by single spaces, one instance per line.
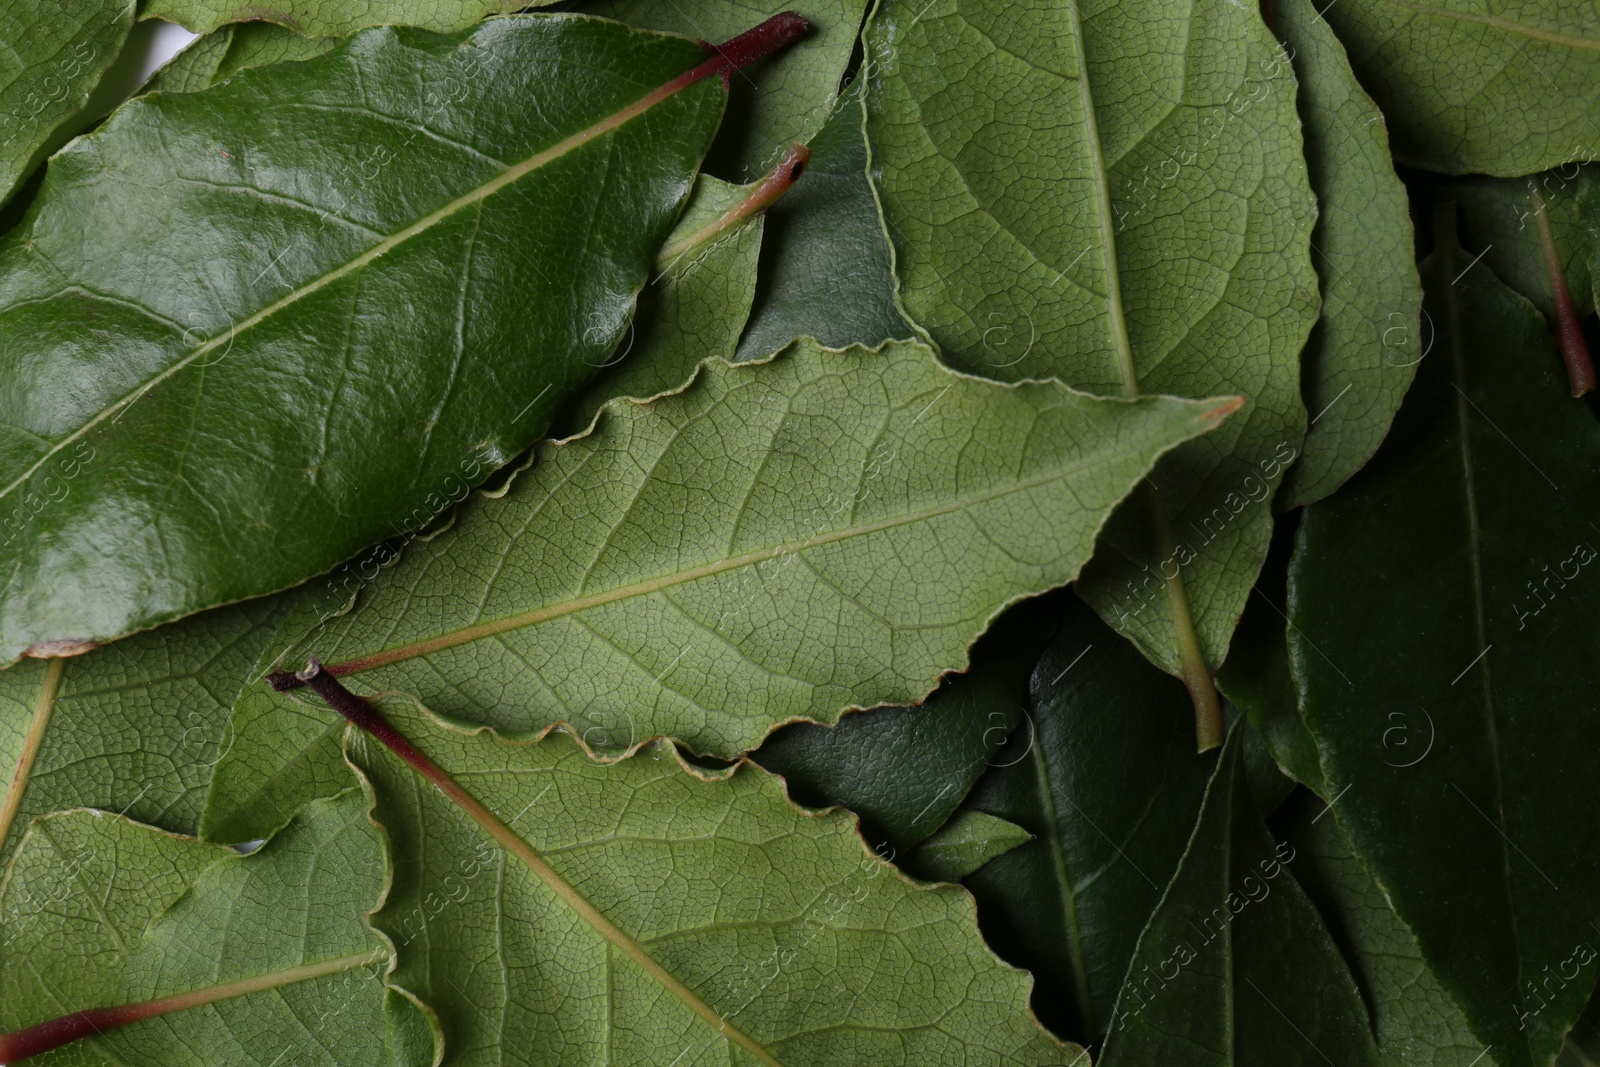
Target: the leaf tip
pixel 1214 415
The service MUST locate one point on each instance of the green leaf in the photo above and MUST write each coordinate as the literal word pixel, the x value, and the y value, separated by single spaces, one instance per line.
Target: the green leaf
pixel 1499 219
pixel 1416 1023
pixel 332 18
pixel 1474 530
pixel 784 100
pixel 1104 774
pixel 1363 352
pixel 1258 678
pixel 137 726
pixel 1235 967
pixel 778 936
pixel 1121 203
pixel 778 542
pixel 195 67
pixel 55 54
pixel 101 912
pixel 206 315
pixel 221 54
pixel 825 270
pixel 694 307
pixel 1467 88
pixel 963 845
pixel 905 770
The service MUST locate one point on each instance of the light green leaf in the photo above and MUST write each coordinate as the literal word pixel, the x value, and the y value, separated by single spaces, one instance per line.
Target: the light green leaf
pixel 781 938
pixel 1364 351
pixel 826 531
pixel 1466 87
pixel 1417 1024
pixel 1236 968
pixel 137 726
pixel 207 313
pixel 333 18
pixel 905 770
pixel 694 307
pixel 1468 641
pixel 52 55
pixel 101 912
pixel 964 844
pixel 221 54
pixel 1119 201
pixel 782 101
pixel 195 67
pixel 825 270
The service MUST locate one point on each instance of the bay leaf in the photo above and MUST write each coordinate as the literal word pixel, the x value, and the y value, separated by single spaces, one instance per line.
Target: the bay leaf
pixel 1468 639
pixel 207 315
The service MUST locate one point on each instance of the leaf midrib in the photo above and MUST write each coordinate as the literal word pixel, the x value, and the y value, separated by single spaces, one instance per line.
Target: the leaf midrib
pixel 474 196
pixel 1505 26
pixel 1479 615
pixel 575 605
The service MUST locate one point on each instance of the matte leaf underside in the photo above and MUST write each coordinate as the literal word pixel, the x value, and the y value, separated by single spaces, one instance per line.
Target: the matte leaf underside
pixel 851 964
pixel 219 301
pixel 101 912
pixel 777 542
pixel 1114 196
pixel 1505 88
pixel 1475 525
pixel 1363 352
pixel 54 55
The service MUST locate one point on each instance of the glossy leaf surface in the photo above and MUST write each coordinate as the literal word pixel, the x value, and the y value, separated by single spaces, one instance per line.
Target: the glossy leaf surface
pixel 1116 197
pixel 1070 904
pixel 1236 967
pixel 1414 1018
pixel 235 350
pixel 1480 599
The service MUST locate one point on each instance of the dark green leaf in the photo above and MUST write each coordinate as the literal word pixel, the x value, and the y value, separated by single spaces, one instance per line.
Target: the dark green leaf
pixel 1104 774
pixel 1236 968
pixel 1469 633
pixel 246 332
pixel 905 770
pixel 825 270
pixel 1416 1022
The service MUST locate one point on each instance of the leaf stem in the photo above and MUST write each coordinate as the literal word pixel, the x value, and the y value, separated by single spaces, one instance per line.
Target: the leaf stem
pixel 364 715
pixel 1574 349
pixel 1192 667
pixel 778 180
pixel 30 748
pixel 34 1040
